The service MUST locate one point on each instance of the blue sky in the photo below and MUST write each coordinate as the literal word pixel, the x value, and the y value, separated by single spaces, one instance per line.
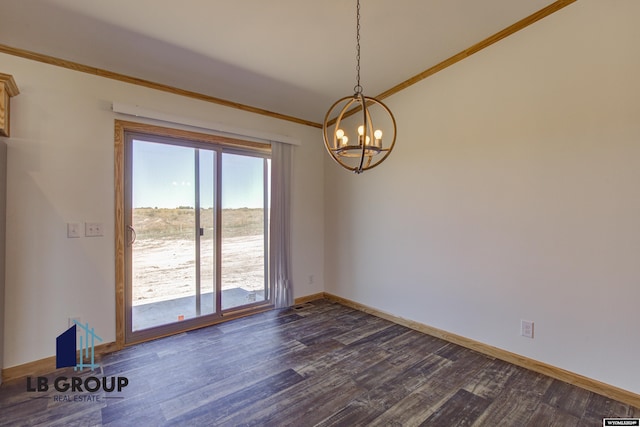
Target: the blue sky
pixel 163 177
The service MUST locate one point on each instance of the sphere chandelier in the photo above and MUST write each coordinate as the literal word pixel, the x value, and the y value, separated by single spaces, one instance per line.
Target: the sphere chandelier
pixel 370 133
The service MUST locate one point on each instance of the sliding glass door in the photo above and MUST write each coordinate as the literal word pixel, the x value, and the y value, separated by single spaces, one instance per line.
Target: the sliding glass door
pixel 197 233
pixel 244 216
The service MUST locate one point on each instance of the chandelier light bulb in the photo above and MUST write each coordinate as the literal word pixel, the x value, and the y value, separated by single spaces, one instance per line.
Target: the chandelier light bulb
pixel 361 130
pixel 377 134
pixel 339 133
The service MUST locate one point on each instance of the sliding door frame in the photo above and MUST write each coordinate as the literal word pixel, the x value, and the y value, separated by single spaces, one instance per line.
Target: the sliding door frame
pixel 216 143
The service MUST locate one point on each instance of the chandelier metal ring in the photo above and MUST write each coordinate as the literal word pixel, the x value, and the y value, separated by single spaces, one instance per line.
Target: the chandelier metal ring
pixel 361 154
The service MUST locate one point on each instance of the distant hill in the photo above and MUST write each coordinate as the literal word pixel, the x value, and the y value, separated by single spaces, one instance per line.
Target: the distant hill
pixel 179 223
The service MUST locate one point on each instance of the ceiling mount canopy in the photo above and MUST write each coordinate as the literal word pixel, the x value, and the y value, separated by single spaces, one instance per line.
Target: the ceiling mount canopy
pixel 363 133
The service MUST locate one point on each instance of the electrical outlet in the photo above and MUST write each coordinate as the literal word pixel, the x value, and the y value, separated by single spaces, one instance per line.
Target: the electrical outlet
pixel 93 229
pixel 311 278
pixel 526 328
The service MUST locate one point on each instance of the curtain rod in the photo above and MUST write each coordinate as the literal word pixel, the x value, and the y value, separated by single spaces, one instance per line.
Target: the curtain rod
pixel 137 111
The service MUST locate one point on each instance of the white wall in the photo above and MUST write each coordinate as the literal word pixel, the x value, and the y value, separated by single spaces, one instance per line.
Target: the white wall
pixel 61 169
pixel 3 223
pixel 512 193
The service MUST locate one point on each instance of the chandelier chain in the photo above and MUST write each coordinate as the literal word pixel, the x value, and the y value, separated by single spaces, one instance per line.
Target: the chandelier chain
pixel 358 88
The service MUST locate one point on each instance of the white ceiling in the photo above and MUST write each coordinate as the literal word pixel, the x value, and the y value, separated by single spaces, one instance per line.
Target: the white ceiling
pixel 293 57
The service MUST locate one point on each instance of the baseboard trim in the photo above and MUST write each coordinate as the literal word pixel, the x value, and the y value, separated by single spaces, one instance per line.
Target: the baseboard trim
pixel 48 365
pixel 578 380
pixel 313 297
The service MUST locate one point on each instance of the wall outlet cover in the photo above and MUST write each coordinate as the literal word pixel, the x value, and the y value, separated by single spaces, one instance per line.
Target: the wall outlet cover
pixel 526 328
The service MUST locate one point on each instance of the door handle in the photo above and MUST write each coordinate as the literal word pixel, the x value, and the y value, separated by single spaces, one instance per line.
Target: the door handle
pixel 133 235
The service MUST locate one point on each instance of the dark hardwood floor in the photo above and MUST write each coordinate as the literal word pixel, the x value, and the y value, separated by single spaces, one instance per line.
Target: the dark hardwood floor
pixel 318 364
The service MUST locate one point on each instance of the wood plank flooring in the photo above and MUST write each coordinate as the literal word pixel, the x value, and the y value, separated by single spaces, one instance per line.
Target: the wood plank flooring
pixel 317 364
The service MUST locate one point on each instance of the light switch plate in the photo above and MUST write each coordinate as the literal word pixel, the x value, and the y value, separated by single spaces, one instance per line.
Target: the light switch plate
pixel 73 230
pixel 93 229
